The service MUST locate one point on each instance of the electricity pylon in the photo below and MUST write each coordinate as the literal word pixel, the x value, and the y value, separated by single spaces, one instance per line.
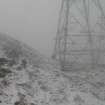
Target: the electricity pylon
pixel 80 38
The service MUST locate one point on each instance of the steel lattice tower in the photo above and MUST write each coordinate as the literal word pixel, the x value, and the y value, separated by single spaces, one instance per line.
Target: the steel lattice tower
pixel 80 38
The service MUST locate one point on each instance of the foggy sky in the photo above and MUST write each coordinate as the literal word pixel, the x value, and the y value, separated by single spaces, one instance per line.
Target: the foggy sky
pixel 31 21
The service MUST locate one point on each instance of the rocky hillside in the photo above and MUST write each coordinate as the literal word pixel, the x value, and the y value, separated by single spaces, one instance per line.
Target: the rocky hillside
pixel 28 78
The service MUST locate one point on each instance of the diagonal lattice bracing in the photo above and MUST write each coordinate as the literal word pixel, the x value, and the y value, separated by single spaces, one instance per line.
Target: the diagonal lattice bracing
pixel 80 38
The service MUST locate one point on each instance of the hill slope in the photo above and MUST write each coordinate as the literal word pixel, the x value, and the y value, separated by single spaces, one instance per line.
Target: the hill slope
pixel 28 78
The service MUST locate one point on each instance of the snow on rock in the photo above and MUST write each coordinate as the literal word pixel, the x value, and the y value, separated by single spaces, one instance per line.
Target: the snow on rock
pixel 28 78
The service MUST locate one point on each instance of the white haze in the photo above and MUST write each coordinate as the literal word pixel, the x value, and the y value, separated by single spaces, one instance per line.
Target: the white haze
pixel 31 21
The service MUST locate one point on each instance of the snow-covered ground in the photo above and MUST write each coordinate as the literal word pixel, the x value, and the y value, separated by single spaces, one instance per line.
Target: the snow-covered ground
pixel 34 80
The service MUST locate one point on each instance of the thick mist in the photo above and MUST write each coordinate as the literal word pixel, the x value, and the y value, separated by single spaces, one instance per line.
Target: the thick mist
pixel 31 21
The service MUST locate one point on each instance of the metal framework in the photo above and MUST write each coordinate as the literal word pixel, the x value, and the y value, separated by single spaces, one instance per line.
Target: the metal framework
pixel 80 38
